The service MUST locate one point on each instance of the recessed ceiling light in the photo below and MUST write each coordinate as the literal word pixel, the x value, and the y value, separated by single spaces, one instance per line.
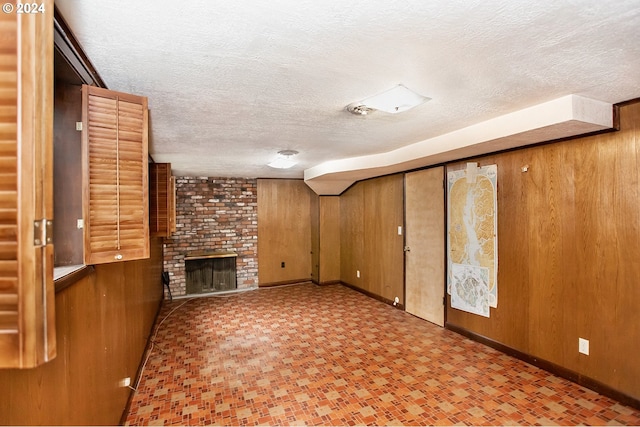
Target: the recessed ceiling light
pixel 283 161
pixel 395 100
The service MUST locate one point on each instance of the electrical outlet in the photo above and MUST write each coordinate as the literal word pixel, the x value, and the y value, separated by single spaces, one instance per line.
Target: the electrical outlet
pixel 125 382
pixel 282 264
pixel 583 346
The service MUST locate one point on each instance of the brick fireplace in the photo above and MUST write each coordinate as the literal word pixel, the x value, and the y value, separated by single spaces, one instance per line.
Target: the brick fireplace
pixel 214 215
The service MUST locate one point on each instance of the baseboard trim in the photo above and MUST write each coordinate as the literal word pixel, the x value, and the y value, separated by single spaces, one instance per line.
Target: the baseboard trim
pixel 553 368
pixel 399 306
pixel 328 282
pixel 284 283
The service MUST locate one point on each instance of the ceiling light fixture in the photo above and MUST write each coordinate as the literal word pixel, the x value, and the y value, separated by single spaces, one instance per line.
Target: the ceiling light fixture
pixel 395 100
pixel 283 161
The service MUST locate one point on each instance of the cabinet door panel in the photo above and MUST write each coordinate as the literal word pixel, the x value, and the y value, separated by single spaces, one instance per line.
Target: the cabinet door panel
pixel 115 176
pixel 27 317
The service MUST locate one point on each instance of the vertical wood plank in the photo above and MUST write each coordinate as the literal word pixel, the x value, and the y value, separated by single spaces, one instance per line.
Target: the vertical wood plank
pixel 329 223
pixel 315 237
pixel 371 212
pixel 284 231
pixel 352 236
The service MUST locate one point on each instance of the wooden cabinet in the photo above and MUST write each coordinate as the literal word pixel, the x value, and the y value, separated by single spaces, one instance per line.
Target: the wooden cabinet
pixel 162 203
pixel 115 176
pixel 27 316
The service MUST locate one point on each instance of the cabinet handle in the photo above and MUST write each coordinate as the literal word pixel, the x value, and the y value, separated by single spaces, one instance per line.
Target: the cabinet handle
pixel 119 257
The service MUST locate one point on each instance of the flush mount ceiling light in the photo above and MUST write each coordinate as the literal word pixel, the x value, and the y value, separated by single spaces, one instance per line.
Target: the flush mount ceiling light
pixel 392 101
pixel 283 161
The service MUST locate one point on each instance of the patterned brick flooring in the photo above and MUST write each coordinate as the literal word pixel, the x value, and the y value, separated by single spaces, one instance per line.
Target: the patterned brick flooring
pixel 327 355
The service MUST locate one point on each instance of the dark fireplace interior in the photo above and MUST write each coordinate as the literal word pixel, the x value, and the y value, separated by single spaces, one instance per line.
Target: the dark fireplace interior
pixel 210 274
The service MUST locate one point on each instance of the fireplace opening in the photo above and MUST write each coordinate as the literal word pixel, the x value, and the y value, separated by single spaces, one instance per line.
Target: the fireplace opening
pixel 210 272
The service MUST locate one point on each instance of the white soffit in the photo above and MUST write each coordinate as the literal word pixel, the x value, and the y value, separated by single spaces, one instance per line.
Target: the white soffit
pixel 563 117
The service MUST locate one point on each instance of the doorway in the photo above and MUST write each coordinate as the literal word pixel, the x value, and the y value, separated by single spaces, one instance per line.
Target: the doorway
pixel 425 244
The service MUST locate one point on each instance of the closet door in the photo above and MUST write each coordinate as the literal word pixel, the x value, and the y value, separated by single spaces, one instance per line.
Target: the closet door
pixel 115 176
pixel 27 305
pixel 425 244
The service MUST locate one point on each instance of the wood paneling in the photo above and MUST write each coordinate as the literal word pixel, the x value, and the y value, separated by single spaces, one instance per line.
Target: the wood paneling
pixel 425 239
pixel 329 225
pixel 371 212
pixel 568 241
pixel 103 322
pixel 67 177
pixel 315 237
pixel 352 236
pixel 284 231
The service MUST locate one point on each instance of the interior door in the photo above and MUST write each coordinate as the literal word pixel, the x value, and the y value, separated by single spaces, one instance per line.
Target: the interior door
pixel 425 244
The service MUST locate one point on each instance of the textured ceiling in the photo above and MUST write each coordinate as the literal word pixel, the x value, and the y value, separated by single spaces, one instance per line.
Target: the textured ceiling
pixel 230 83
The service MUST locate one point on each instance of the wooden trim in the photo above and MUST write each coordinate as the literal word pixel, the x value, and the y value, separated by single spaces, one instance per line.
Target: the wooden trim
pixel 204 255
pixel 327 283
pixel 445 192
pixel 72 278
pixel 67 44
pixel 627 102
pixel 286 282
pixel 399 306
pixel 557 370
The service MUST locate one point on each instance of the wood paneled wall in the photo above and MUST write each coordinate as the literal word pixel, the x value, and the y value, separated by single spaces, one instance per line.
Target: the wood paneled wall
pixel 370 213
pixel 325 239
pixel 284 231
pixel 569 246
pixel 103 322
pixel 329 219
pixel 315 237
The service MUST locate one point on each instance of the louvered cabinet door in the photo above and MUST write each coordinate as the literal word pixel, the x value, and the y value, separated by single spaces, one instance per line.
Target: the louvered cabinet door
pixel 27 295
pixel 172 205
pixel 160 187
pixel 115 176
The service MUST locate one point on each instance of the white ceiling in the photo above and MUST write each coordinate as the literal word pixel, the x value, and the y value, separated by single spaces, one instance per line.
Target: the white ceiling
pixel 230 83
